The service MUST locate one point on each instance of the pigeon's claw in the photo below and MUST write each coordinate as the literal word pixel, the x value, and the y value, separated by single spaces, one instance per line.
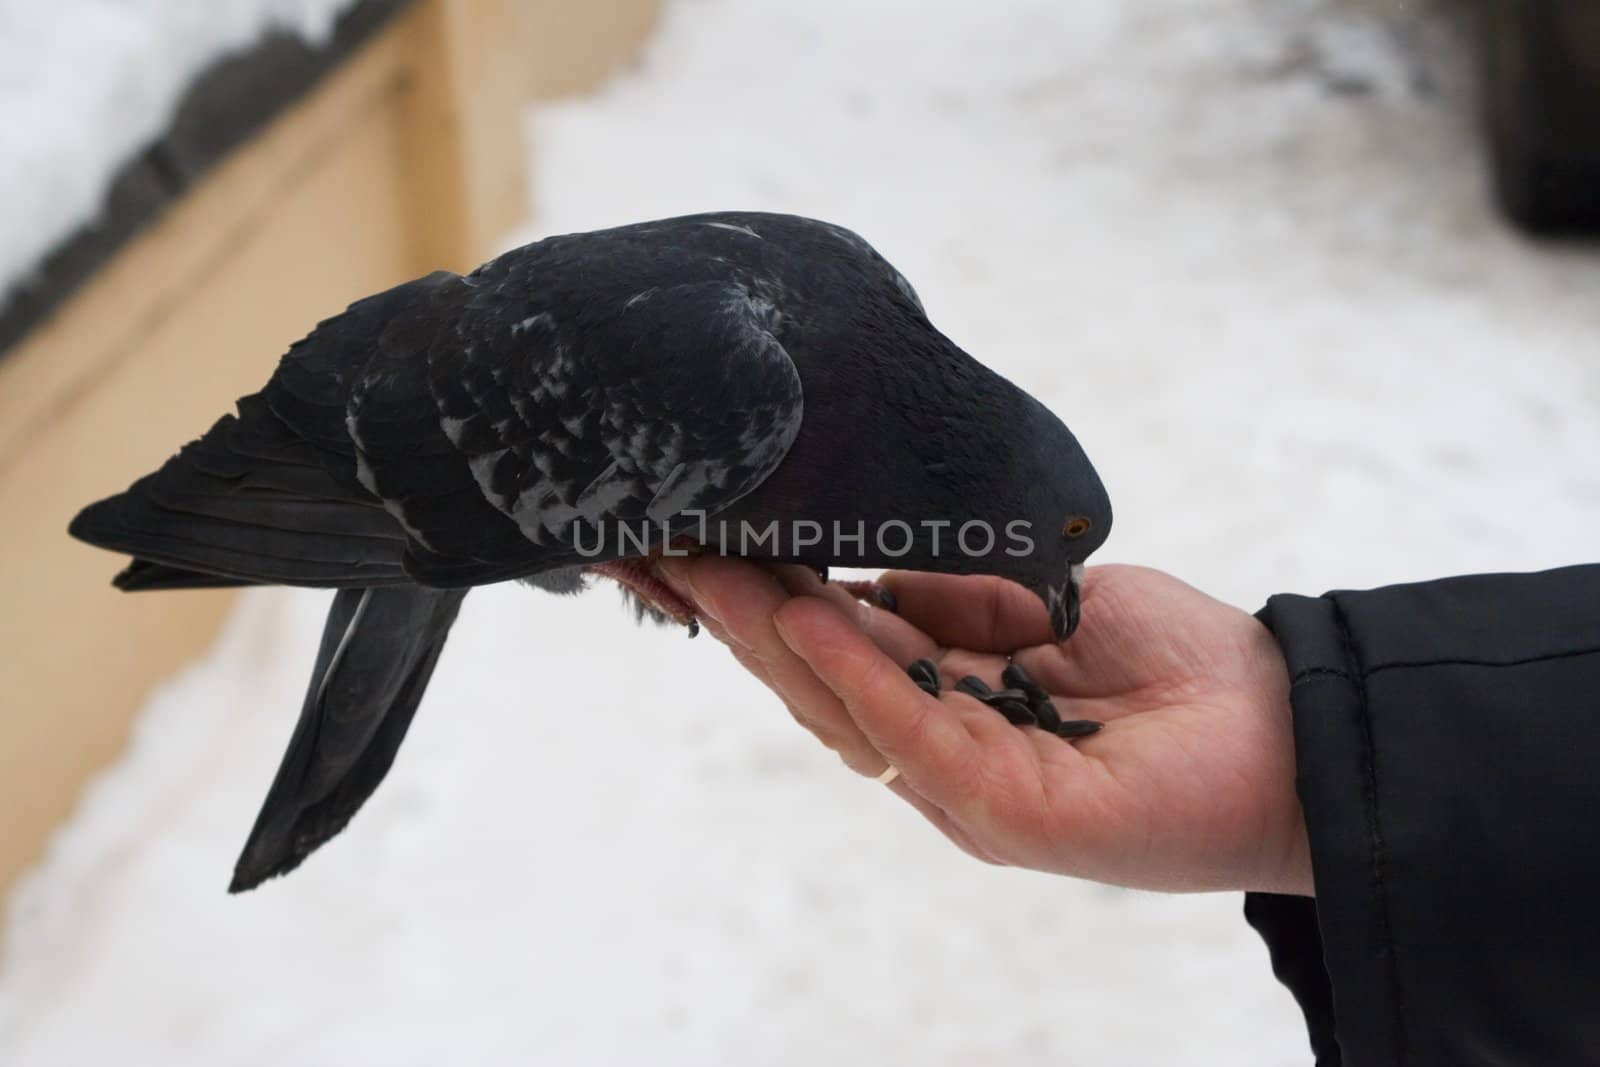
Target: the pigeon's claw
pixel 639 576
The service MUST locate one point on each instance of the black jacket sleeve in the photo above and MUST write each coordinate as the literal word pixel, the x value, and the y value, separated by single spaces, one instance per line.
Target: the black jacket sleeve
pixel 1447 736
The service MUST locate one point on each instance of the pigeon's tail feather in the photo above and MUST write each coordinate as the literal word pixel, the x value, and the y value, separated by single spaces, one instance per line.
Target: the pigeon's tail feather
pixel 247 502
pixel 142 574
pixel 378 651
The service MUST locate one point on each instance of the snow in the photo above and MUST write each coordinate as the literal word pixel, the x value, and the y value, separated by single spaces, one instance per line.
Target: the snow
pixel 1242 246
pixel 85 85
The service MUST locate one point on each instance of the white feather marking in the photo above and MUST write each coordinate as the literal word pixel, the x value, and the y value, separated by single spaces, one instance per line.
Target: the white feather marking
pixel 736 229
pixel 344 643
pixel 482 467
pixel 369 481
pixel 529 323
pixel 681 488
pixel 452 429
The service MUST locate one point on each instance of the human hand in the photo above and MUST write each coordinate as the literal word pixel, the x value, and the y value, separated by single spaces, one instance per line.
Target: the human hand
pixel 1189 787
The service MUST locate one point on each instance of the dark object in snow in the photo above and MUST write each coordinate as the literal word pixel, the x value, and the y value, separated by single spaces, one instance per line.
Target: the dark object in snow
pixel 574 408
pixel 1542 60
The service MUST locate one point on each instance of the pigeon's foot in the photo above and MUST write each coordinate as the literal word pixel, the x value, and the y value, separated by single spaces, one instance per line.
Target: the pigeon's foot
pixel 875 593
pixel 1023 702
pixel 639 576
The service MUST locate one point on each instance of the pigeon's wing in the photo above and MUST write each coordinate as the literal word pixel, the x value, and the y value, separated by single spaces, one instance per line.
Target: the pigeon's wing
pixel 568 420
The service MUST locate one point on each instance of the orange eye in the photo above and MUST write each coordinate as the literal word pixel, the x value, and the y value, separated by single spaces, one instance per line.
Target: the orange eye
pixel 1076 527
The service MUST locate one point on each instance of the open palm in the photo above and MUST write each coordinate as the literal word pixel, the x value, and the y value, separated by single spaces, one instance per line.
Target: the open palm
pixel 1190 786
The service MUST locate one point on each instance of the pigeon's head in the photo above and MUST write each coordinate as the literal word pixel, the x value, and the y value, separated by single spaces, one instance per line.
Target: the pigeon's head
pixel 1068 516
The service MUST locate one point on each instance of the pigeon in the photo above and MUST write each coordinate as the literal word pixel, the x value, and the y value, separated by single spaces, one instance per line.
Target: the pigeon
pixel 752 384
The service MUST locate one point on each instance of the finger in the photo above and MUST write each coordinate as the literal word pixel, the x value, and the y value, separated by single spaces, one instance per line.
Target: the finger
pixel 912 731
pixel 910 644
pixel 900 641
pixel 739 599
pixel 752 587
pixel 956 663
pixel 979 612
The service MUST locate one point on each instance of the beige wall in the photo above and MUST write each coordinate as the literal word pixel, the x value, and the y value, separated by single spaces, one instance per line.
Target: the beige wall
pixel 408 159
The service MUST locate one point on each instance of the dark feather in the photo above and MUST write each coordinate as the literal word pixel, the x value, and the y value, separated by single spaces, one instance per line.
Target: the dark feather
pixel 247 503
pixel 142 575
pixel 378 651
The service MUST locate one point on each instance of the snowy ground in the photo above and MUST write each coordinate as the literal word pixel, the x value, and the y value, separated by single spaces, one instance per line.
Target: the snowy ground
pixel 87 84
pixel 1241 246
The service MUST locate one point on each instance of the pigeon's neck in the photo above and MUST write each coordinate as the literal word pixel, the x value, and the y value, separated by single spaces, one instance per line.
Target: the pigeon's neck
pixel 909 430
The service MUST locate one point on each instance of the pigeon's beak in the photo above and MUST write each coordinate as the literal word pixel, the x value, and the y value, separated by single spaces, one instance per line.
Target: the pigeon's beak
pixel 1066 603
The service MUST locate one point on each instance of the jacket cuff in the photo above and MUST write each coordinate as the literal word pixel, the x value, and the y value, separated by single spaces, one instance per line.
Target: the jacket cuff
pixel 1345 931
pixel 1445 735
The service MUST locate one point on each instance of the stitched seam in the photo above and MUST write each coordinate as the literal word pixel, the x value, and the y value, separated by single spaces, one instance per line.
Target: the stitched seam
pixel 1308 673
pixel 1375 840
pixel 1402 664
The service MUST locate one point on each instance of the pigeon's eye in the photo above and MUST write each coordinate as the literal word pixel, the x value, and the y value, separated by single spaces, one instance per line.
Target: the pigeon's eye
pixel 1076 527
